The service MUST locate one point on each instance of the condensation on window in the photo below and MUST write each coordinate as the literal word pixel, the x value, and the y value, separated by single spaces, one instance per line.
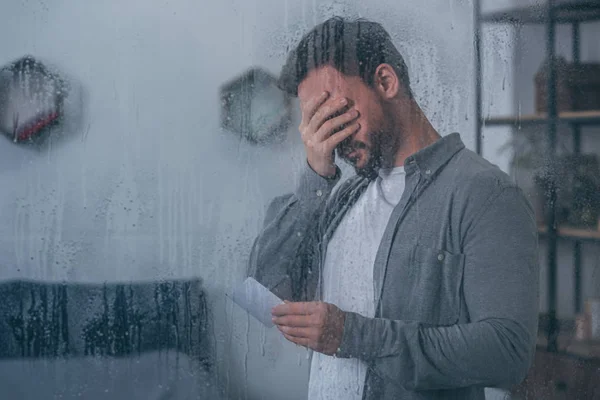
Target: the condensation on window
pixel 142 141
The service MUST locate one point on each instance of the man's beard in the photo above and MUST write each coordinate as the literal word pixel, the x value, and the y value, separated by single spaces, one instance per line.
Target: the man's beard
pixel 370 170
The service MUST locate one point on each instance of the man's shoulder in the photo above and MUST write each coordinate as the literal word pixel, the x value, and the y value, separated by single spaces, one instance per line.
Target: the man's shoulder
pixel 469 168
pixel 480 187
pixel 476 180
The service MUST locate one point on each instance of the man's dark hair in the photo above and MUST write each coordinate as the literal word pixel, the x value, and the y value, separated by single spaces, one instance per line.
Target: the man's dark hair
pixel 354 48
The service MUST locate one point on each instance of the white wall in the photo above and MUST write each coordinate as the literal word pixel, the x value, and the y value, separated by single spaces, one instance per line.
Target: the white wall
pixel 154 189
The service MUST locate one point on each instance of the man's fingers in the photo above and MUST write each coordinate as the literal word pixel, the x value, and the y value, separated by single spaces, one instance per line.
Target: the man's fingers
pixel 327 111
pixel 334 140
pixel 301 321
pixel 304 342
pixel 306 333
pixel 297 308
pixel 311 107
pixel 334 124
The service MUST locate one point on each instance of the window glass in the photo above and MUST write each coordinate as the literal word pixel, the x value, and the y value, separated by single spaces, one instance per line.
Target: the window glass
pixel 152 158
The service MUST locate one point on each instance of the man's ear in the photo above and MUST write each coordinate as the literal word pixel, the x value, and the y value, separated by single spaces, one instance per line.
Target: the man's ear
pixel 386 81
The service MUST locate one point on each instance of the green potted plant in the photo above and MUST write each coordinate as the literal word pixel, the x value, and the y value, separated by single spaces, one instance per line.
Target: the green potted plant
pixel 577 179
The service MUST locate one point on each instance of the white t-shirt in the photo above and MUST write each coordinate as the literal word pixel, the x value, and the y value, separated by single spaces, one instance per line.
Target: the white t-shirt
pixel 348 280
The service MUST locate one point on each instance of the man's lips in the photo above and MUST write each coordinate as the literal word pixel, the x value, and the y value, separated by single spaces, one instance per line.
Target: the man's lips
pixel 351 155
pixel 352 151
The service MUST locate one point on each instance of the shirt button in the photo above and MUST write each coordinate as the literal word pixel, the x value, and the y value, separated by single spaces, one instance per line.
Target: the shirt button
pixel 428 172
pixel 299 234
pixel 319 193
pixel 440 257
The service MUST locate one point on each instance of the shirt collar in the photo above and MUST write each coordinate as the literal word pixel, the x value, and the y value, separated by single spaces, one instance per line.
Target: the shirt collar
pixel 430 159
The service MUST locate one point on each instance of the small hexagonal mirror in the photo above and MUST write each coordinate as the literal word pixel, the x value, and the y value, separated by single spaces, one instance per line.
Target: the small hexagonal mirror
pixel 253 107
pixel 31 100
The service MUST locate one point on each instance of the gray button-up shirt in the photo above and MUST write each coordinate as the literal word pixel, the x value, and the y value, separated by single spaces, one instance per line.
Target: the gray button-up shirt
pixel 455 277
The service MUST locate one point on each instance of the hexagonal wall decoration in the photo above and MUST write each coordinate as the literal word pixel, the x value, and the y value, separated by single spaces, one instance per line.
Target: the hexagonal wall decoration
pixel 31 100
pixel 253 107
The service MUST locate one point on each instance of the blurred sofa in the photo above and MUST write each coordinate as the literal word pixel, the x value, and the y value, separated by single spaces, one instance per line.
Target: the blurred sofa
pixel 94 341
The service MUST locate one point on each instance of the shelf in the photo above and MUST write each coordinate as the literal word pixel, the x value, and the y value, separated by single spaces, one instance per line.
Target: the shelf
pixel 564 12
pixel 572 117
pixel 566 342
pixel 589 349
pixel 574 233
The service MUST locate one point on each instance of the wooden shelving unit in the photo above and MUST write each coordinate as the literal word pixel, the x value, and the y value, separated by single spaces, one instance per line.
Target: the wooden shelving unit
pixel 550 14
pixel 573 117
pixel 565 12
pixel 567 345
pixel 573 233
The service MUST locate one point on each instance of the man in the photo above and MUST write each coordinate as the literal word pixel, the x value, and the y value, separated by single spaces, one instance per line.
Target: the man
pixel 417 278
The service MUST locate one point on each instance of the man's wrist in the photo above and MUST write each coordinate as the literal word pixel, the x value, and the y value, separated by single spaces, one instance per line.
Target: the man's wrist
pixel 328 172
pixel 342 322
pixel 313 186
pixel 333 176
pixel 329 175
pixel 351 345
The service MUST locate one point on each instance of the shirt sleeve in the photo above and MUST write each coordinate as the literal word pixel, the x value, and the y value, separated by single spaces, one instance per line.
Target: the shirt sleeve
pixel 501 289
pixel 289 225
